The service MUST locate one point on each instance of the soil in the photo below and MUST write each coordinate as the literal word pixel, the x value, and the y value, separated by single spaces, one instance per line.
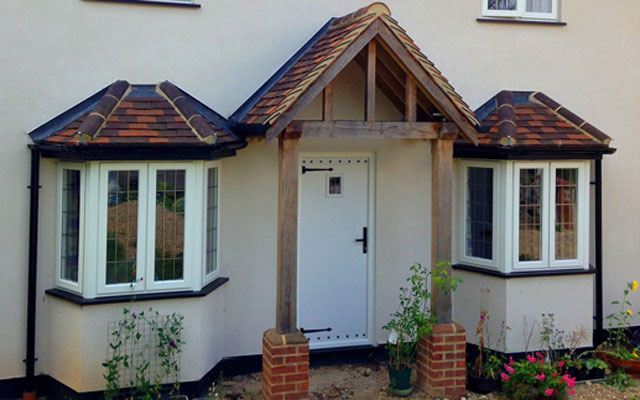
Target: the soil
pixel 369 381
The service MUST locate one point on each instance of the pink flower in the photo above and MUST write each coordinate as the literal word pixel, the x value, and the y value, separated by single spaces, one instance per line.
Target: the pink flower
pixel 531 358
pixel 511 361
pixel 549 392
pixel 541 361
pixel 571 382
pixel 540 377
pixel 539 355
pixel 504 377
pixel 572 392
pixel 561 364
pixel 554 374
pixel 509 369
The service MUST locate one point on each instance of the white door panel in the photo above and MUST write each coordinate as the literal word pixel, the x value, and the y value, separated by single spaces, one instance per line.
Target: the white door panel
pixel 332 265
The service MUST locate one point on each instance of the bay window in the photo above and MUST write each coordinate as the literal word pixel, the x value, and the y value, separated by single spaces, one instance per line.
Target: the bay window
pixel 526 9
pixel 144 224
pixel 539 220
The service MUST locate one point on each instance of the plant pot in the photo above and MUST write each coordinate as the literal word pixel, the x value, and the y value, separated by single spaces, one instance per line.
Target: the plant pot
pixel 583 374
pixel 631 367
pixel 400 382
pixel 481 385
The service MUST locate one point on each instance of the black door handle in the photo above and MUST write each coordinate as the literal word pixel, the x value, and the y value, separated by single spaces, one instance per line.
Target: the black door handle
pixel 364 240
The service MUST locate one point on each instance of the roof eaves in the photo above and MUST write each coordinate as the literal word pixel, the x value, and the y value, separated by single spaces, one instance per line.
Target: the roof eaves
pixel 244 109
pixel 57 123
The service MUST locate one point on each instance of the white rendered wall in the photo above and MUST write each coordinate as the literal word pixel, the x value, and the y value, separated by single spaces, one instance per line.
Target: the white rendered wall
pixel 56 53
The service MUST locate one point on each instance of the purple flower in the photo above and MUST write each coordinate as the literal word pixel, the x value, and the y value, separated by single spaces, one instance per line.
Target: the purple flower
pixel 173 344
pixel 133 314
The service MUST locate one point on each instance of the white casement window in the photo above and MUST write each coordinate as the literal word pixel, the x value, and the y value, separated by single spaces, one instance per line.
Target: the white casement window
pixel 70 229
pixel 525 9
pixel 523 216
pixel 148 226
pixel 479 208
pixel 212 212
pixel 551 215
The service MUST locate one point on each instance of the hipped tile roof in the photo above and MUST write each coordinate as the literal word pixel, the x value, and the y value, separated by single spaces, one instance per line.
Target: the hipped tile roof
pixel 305 67
pixel 533 119
pixel 126 114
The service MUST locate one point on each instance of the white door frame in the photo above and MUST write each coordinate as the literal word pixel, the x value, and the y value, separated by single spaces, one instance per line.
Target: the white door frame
pixel 371 234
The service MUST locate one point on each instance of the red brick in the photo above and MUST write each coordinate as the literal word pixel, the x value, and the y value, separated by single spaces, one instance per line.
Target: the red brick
pixel 296 377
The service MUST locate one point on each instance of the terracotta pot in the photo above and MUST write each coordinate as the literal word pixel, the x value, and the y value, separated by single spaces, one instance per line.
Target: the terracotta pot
pixel 631 367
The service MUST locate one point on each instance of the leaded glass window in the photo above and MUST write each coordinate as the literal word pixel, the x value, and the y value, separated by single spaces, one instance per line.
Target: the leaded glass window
pixel 122 226
pixel 70 225
pixel 530 214
pixel 566 216
pixel 479 215
pixel 212 221
pixel 170 207
pixel 507 5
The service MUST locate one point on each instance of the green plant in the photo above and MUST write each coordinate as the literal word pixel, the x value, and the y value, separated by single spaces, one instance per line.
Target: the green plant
pixel 620 380
pixel 534 378
pixel 618 343
pixel 129 351
pixel 488 363
pixel 413 319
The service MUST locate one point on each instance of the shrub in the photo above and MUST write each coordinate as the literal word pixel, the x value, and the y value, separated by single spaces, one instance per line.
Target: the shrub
pixel 533 378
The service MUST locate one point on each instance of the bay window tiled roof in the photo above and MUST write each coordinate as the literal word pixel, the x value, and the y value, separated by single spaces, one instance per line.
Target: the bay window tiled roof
pixel 530 119
pixel 125 114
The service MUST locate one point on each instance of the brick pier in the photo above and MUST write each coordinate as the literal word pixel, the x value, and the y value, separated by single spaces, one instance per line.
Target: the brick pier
pixel 441 363
pixel 285 366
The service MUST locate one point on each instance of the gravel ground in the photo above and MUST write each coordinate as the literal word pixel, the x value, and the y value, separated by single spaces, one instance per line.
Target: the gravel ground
pixel 369 381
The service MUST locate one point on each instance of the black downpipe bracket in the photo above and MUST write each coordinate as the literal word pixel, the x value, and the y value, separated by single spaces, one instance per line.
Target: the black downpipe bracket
pixel 30 384
pixel 599 331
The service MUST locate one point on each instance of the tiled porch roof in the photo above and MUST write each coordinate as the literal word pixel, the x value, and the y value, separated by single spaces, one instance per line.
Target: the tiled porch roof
pixel 282 91
pixel 125 114
pixel 532 119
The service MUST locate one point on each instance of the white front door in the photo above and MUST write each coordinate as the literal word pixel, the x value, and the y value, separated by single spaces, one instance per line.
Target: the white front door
pixel 333 251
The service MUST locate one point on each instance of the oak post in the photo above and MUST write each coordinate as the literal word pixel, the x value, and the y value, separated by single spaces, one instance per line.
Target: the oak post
pixel 370 110
pixel 327 102
pixel 441 220
pixel 288 145
pixel 410 100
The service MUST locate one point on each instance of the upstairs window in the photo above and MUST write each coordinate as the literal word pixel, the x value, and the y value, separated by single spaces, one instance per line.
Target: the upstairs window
pixel 524 9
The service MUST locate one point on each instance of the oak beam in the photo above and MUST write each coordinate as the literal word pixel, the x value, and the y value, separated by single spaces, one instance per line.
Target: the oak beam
pixel 327 76
pixel 410 100
pixel 286 317
pixel 441 221
pixel 372 130
pixel 433 90
pixel 327 102
pixel 370 113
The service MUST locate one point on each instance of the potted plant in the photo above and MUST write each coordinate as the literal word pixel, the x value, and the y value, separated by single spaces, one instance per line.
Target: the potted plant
pixel 535 378
pixel 618 350
pixel 411 322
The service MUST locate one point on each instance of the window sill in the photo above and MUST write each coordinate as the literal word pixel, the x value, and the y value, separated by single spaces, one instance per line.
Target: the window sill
pixel 81 301
pixel 525 274
pixel 521 21
pixel 152 3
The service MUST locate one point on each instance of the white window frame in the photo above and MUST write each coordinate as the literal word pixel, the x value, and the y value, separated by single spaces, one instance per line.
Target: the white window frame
pixel 544 261
pixel 189 207
pixel 463 190
pixel 582 215
pixel 521 11
pixel 60 282
pixel 210 277
pixel 141 245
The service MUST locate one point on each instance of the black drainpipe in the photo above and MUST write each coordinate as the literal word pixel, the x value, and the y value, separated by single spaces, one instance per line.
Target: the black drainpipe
pixel 30 385
pixel 599 331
